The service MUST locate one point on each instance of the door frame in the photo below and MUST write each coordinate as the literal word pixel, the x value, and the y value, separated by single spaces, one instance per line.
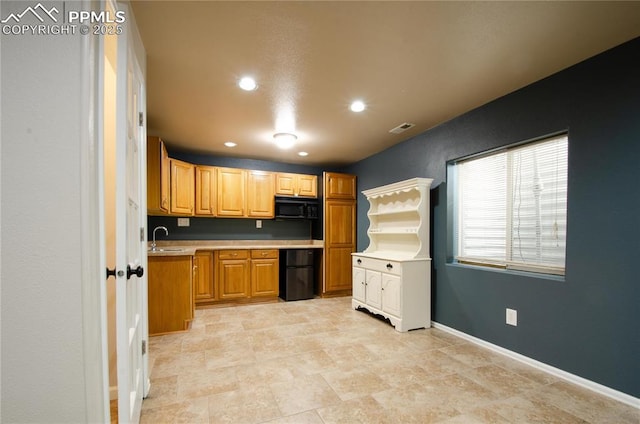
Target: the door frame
pixel 93 287
pixel 93 257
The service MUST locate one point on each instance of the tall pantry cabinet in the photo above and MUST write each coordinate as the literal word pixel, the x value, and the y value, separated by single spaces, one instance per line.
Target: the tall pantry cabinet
pixel 339 193
pixel 392 277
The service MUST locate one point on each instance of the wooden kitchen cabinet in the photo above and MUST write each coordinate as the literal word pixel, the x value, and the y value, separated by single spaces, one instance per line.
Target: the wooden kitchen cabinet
pixel 339 230
pixel 170 294
pixel 288 184
pixel 260 193
pixel 231 192
pixel 205 190
pixel 232 269
pixel 182 187
pixel 203 278
pixel 264 272
pixel 244 274
pixel 158 177
pixel 339 186
pixel 340 243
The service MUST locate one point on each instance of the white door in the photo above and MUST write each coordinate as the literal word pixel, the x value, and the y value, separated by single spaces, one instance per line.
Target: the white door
pixel 130 233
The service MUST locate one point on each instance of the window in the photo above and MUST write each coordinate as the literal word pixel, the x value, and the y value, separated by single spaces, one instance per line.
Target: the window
pixel 511 207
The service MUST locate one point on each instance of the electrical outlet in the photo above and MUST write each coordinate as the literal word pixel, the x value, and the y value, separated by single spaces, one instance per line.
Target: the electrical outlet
pixel 512 317
pixel 183 222
pixel 258 223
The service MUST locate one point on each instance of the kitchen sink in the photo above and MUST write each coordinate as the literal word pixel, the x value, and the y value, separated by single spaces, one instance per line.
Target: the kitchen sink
pixel 166 249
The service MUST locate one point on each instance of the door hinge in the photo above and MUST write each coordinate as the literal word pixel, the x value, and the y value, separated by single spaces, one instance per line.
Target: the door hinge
pixel 140 118
pixel 141 233
pixel 144 347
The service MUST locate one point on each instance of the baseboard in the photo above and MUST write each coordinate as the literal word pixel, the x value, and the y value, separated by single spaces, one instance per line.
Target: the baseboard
pixel 556 372
pixel 113 392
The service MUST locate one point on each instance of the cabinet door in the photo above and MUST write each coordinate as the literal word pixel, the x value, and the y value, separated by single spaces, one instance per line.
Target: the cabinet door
pixel 307 185
pixel 358 290
pixel 230 192
pixel 233 278
pixel 391 294
pixel 203 281
pixel 205 190
pixel 285 184
pixel 158 177
pixel 264 277
pixel 373 286
pixel 182 187
pixel 339 236
pixel 339 186
pixel 260 194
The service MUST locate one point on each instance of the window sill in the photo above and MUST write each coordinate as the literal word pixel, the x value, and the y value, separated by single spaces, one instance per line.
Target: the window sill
pixel 530 274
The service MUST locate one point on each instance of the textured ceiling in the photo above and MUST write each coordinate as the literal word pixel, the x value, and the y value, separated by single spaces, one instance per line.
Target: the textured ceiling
pixel 417 62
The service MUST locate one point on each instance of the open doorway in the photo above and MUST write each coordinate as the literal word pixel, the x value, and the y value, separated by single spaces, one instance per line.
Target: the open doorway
pixel 109 134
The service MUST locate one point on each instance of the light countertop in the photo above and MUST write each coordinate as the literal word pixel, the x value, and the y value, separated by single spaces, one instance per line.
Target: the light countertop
pixel 189 247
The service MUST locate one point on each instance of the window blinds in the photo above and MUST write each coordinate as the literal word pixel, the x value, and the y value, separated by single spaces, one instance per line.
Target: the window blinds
pixel 511 207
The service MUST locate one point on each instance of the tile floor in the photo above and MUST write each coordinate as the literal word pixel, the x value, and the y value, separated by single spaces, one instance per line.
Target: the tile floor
pixel 319 361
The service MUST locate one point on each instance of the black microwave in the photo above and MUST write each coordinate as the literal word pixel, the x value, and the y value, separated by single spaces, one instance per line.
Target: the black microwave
pixel 296 208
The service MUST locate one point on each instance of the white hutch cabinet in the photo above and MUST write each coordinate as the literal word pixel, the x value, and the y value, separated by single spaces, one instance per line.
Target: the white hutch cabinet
pixel 392 277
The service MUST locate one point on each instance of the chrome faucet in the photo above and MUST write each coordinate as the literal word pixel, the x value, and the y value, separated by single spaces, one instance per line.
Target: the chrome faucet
pixel 166 233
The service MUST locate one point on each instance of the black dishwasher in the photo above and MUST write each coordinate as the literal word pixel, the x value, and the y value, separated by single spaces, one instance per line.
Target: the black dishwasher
pixel 296 274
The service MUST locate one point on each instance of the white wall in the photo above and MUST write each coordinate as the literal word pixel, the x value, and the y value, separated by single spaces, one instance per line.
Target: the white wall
pixel 43 351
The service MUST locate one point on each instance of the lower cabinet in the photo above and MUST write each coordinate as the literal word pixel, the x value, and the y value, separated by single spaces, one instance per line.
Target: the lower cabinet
pixel 170 294
pixel 264 273
pixel 398 290
pixel 203 281
pixel 232 270
pixel 243 274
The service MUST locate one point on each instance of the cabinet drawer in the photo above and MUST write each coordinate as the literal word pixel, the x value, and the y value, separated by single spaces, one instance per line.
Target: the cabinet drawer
pixel 382 265
pixel 264 254
pixel 233 254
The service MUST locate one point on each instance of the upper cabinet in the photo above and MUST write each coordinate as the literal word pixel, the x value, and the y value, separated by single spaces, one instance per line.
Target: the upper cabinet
pixel 179 188
pixel 260 193
pixel 231 185
pixel 158 178
pixel 182 187
pixel 304 185
pixel 205 190
pixel 339 186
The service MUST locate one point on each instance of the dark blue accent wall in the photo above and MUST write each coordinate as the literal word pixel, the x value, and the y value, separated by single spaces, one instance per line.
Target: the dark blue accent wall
pixel 587 323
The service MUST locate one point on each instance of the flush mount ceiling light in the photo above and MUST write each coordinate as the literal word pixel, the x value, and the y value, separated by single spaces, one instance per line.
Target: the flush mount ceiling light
pixel 247 84
pixel 230 144
pixel 285 140
pixel 357 106
pixel 303 154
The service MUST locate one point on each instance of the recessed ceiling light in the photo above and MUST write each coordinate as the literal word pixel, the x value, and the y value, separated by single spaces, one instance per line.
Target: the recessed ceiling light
pixel 357 106
pixel 247 83
pixel 285 140
pixel 303 154
pixel 230 144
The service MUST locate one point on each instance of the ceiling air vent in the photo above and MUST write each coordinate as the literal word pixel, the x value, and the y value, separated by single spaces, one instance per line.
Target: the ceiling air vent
pixel 401 128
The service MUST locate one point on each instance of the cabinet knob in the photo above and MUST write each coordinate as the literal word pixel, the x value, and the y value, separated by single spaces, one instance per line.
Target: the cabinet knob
pixel 389 266
pixel 359 261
